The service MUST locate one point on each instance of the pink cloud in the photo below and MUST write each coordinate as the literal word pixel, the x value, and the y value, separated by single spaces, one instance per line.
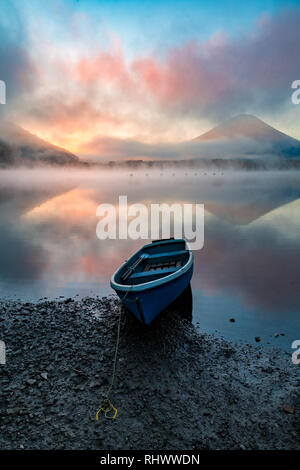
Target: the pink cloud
pixel 188 76
pixel 210 80
pixel 106 65
pixel 206 77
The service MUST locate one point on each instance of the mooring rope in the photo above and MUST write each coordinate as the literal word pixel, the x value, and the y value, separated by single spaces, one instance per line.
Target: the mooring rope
pixel 106 405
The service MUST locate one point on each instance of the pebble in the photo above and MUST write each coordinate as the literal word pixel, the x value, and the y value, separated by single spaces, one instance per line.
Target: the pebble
pixel 163 391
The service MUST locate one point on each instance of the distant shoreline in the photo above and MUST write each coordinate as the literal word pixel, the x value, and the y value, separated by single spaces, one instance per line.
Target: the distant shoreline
pixel 215 163
pixel 249 164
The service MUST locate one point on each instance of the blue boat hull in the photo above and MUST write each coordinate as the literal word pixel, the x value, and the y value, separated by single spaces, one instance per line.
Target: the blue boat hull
pixel 147 304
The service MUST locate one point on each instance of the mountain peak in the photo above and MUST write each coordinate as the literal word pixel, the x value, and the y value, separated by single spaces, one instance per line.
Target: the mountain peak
pixel 19 147
pixel 245 126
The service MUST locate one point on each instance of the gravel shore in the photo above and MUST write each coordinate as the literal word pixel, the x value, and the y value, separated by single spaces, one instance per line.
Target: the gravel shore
pixel 175 387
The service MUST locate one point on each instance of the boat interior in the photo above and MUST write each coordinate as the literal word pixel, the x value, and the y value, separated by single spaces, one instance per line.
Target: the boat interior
pixel 154 261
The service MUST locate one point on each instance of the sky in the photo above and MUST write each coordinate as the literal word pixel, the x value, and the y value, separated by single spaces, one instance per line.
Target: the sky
pixel 77 71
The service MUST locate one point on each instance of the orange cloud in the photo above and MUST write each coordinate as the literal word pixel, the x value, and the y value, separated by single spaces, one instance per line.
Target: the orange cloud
pixel 105 65
pixel 88 96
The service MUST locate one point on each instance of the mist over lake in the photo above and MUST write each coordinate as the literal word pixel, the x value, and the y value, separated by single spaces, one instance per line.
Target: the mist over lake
pixel 248 268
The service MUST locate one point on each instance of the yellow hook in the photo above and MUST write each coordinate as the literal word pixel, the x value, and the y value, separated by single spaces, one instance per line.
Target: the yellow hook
pixel 107 407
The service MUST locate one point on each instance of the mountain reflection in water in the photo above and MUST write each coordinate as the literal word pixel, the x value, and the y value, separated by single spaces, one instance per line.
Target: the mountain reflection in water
pixel 248 270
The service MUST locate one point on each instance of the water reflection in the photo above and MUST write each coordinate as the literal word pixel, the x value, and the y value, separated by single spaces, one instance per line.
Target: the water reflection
pixel 250 260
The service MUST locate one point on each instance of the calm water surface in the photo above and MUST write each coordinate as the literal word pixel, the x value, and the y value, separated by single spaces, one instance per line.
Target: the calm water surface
pixel 249 268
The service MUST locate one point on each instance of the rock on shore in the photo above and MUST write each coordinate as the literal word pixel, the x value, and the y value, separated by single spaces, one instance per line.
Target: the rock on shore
pixel 175 388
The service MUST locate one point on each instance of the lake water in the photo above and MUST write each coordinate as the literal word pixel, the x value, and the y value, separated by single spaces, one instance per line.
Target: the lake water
pixel 248 269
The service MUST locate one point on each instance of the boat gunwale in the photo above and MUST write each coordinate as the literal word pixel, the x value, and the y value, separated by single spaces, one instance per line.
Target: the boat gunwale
pixel 156 282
